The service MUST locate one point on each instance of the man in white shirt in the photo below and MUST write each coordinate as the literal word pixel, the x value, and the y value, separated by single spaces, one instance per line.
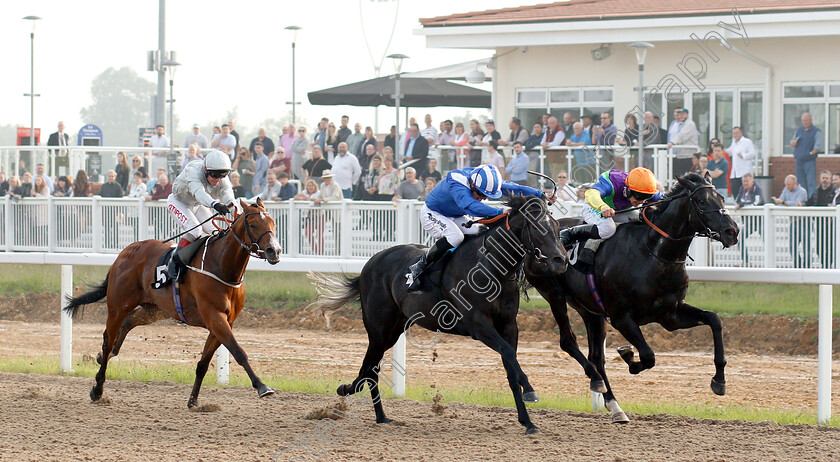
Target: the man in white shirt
pixel 346 169
pixel 742 152
pixel 225 142
pixel 564 191
pixel 686 135
pixel 429 132
pixel 159 140
pixel 196 138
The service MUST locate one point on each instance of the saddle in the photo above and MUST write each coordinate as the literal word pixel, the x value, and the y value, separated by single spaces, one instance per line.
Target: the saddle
pixel 162 277
pixel 430 279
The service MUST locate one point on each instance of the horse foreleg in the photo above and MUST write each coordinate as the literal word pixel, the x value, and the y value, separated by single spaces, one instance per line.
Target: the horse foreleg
pixel 510 334
pixel 569 344
pixel 217 323
pixel 630 330
pixel 486 334
pixel 686 316
pixel 210 347
pixel 596 332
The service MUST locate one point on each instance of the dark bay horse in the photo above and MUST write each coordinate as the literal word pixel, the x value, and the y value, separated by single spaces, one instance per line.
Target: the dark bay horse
pixel 641 277
pixel 211 296
pixel 477 295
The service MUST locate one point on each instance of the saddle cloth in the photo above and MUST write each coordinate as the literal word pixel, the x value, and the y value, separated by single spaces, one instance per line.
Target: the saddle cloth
pixel 162 278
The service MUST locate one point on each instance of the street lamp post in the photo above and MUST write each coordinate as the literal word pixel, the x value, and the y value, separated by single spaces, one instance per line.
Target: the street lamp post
pixel 32 20
pixel 293 31
pixel 398 62
pixel 641 51
pixel 172 159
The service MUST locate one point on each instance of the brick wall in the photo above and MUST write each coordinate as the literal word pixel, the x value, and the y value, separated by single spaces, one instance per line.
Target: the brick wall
pixel 780 167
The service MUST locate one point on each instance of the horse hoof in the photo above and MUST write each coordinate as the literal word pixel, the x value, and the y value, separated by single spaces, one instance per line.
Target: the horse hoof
pixel 626 353
pixel 530 397
pixel 718 387
pixel 264 391
pixel 191 403
pixel 342 390
pixel 532 430
pixel 95 394
pixel 620 418
pixel 384 420
pixel 598 386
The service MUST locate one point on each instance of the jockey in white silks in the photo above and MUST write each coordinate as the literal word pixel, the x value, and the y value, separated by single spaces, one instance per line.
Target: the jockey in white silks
pixel 201 188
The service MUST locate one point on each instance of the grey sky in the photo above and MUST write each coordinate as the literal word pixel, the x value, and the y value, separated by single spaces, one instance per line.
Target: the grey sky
pixel 232 53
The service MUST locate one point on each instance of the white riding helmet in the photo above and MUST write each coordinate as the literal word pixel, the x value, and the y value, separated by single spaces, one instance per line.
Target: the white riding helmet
pixel 487 180
pixel 217 161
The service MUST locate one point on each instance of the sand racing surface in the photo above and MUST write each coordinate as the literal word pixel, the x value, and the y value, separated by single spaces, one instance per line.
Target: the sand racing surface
pixel 52 418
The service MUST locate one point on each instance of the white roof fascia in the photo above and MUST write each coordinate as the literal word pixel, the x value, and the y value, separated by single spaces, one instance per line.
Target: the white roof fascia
pixel 775 25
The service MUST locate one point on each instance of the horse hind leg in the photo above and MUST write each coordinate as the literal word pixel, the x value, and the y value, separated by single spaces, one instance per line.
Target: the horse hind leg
pixel 391 329
pixel 210 346
pixel 141 316
pixel 116 316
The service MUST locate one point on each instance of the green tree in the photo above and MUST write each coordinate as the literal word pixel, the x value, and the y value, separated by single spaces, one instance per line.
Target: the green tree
pixel 121 105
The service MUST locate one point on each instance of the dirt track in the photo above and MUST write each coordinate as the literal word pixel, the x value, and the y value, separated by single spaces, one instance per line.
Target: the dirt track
pixel 50 418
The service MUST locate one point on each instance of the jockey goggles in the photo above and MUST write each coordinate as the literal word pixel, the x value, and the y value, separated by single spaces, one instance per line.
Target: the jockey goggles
pixel 218 173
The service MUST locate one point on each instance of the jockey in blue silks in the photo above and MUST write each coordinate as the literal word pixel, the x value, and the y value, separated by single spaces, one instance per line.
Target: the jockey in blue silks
pixel 450 203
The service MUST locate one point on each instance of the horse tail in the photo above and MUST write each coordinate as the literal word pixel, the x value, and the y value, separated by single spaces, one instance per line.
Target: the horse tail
pixel 98 293
pixel 333 293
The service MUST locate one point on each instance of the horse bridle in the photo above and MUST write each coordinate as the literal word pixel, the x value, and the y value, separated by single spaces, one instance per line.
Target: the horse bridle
pixel 253 249
pixel 698 212
pixel 529 246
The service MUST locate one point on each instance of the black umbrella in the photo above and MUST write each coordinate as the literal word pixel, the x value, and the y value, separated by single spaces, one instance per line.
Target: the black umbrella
pixel 417 92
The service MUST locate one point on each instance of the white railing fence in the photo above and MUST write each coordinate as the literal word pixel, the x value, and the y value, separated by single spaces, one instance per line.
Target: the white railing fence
pixel 771 236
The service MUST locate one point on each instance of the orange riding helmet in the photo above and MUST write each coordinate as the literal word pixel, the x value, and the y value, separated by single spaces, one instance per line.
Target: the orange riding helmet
pixel 642 181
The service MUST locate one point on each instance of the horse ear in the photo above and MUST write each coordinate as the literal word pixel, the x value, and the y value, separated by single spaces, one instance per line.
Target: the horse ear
pixel 708 177
pixel 242 203
pixel 683 181
pixel 259 202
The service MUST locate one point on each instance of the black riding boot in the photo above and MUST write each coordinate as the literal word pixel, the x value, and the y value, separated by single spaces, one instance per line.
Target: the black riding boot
pixel 569 236
pixel 178 263
pixel 574 234
pixel 175 265
pixel 432 255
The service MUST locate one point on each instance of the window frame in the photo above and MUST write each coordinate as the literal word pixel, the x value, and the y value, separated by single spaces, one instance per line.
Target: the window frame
pixel 826 100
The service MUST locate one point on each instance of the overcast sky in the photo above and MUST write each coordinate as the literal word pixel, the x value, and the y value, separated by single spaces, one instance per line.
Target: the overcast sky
pixel 233 53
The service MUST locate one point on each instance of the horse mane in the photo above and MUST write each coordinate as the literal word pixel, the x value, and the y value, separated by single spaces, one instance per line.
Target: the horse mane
pixel 669 196
pixel 516 201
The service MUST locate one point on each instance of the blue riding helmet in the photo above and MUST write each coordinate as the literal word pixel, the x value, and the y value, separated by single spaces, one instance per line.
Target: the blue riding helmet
pixel 488 181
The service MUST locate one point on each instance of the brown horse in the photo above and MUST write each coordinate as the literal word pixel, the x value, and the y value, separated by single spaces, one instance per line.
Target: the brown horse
pixel 212 292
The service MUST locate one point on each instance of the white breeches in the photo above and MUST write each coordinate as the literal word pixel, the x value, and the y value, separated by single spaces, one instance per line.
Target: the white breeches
pixel 438 226
pixel 189 217
pixel 606 226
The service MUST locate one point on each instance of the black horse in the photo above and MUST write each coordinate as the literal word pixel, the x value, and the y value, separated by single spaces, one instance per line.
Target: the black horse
pixel 475 294
pixel 641 277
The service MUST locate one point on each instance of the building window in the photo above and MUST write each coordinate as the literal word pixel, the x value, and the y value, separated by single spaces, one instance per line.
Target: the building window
pixel 715 111
pixel 532 103
pixel 822 101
